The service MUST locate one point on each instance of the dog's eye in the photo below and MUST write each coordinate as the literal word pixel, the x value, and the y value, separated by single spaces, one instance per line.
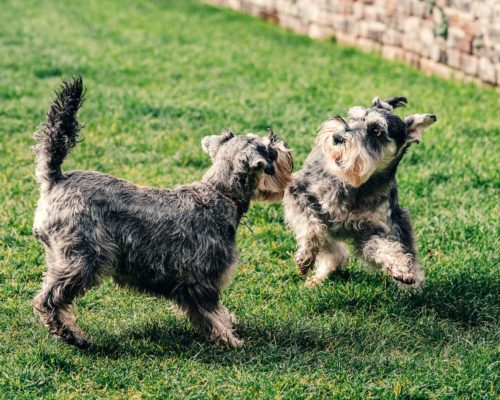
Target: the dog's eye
pixel 273 154
pixel 338 139
pixel 374 130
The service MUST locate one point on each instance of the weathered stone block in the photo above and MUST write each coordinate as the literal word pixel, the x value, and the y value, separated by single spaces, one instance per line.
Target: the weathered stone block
pixel 418 8
pixel 345 38
pixel 344 23
pixel 412 58
pixel 482 10
pixel 427 36
pixel 453 57
pixel 372 30
pixel 320 31
pixel 368 45
pixel 432 67
pixel 437 52
pixel 455 37
pixel 392 52
pixel 391 37
pixel 469 64
pixel 462 5
pixel 412 24
pixel 358 10
pixel 487 70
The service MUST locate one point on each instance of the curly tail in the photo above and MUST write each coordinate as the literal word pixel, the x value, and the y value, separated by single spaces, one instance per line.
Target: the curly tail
pixel 59 133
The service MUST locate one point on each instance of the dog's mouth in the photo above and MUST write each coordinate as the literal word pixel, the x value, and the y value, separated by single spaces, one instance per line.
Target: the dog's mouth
pixel 271 187
pixel 336 154
pixel 354 174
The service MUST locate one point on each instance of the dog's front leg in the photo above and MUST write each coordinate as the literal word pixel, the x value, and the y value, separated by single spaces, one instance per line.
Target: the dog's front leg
pixel 332 256
pixel 392 256
pixel 201 304
pixel 305 257
pixel 217 324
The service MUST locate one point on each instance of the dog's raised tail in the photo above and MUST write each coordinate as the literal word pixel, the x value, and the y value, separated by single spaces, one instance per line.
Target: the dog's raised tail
pixel 59 133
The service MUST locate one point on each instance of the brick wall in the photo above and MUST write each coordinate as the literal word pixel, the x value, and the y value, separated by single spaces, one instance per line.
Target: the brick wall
pixel 458 38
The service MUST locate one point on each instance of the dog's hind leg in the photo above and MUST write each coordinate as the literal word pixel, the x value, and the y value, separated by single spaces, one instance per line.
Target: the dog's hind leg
pixel 332 256
pixel 308 246
pixel 62 283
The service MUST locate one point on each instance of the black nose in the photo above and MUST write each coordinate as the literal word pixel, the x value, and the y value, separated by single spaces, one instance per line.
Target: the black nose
pixel 269 169
pixel 338 139
pixel 433 117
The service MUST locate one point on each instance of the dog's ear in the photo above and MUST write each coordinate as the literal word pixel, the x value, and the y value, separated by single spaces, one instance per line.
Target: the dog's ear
pixel 397 101
pixel 271 136
pixel 390 103
pixel 415 125
pixel 378 103
pixel 211 144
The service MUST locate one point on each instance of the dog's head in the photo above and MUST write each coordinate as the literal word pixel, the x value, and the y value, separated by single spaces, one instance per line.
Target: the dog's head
pixel 267 158
pixel 370 140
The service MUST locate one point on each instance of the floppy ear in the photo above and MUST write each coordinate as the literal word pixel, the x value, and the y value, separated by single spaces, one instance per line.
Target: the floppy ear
pixel 397 101
pixel 415 125
pixel 390 103
pixel 211 144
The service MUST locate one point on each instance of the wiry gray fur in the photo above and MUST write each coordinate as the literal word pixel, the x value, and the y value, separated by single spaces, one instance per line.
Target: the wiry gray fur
pixel 347 190
pixel 177 243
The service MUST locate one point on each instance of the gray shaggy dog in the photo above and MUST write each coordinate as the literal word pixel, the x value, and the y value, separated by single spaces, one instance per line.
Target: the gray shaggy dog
pixel 347 190
pixel 174 243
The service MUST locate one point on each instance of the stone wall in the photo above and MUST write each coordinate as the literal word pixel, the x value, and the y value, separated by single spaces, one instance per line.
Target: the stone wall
pixel 458 38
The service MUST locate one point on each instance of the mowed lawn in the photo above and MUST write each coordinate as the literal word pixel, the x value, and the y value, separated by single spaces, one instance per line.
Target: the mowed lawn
pixel 160 76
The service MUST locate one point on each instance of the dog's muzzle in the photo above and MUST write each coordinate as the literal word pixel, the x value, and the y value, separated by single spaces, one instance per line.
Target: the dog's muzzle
pixel 269 169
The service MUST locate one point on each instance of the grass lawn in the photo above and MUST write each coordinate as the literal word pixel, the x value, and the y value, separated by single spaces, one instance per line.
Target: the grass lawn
pixel 160 76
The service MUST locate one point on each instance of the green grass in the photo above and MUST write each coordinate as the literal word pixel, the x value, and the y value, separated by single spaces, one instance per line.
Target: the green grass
pixel 160 76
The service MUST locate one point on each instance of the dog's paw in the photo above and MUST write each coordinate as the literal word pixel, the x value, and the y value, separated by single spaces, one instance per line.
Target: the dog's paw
pixel 312 282
pixel 229 341
pixel 226 339
pixel 82 343
pixel 409 281
pixel 75 338
pixel 303 269
pixel 303 264
pixel 233 319
pixel 235 342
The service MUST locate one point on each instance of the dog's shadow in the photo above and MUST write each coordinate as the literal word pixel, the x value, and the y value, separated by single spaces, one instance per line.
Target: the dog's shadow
pixel 465 301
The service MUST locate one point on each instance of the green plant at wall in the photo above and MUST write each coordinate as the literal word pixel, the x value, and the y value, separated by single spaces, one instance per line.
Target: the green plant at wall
pixel 430 4
pixel 479 42
pixel 441 27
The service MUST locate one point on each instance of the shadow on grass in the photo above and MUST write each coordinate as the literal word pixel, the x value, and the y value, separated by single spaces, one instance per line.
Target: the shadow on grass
pixel 469 302
pixel 273 342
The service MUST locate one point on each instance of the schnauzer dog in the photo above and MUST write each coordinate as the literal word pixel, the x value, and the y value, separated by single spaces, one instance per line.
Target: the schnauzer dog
pixel 176 243
pixel 347 190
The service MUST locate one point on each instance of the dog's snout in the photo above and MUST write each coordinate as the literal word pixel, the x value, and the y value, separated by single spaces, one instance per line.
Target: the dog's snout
pixel 338 139
pixel 269 169
pixel 433 117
